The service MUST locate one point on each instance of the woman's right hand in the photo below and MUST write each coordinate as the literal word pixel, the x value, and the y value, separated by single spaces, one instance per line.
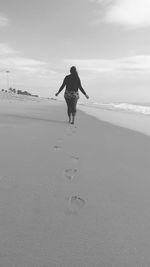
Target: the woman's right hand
pixel 87 96
pixel 56 94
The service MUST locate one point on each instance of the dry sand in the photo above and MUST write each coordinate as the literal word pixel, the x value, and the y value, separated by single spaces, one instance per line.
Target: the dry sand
pixel 71 196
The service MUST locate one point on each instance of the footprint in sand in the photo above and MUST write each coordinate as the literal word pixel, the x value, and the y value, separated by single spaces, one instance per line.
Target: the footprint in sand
pixel 74 159
pixel 77 201
pixel 57 147
pixel 59 144
pixel 75 204
pixel 70 173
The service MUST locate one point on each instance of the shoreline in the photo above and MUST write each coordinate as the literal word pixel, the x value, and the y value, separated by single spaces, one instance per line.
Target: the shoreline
pixel 135 122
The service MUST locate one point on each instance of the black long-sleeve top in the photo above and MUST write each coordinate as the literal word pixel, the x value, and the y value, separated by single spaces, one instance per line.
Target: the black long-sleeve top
pixel 72 84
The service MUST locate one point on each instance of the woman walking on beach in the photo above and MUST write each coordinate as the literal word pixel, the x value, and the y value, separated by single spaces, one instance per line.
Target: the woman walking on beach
pixel 71 95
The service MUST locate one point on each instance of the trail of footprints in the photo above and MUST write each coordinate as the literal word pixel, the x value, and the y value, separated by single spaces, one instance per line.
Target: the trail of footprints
pixel 70 133
pixel 74 203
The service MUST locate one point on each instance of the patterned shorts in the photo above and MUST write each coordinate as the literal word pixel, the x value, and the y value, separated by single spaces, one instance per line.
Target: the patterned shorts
pixel 71 94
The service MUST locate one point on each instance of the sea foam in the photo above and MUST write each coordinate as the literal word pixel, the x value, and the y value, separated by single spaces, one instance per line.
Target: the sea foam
pixel 124 107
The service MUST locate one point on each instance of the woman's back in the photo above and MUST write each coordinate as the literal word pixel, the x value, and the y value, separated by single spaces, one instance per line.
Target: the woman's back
pixel 72 83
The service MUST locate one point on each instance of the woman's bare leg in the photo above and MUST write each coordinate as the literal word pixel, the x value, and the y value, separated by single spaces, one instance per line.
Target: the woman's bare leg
pixel 69 118
pixel 73 119
pixel 68 109
pixel 74 104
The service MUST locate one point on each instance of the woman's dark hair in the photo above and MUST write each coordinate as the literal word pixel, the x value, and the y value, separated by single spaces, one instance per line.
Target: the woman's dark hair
pixel 74 72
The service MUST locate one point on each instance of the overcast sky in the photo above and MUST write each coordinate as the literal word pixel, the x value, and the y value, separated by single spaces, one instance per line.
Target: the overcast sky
pixel 107 40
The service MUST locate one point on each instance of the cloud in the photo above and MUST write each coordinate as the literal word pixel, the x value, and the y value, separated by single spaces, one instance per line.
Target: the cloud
pixel 5 49
pixel 26 66
pixel 10 60
pixel 25 72
pixel 102 2
pixel 21 61
pixel 128 13
pixel 94 65
pixel 139 63
pixel 4 21
pixel 21 66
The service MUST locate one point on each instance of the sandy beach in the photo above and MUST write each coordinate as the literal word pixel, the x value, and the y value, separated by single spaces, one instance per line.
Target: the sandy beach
pixel 71 196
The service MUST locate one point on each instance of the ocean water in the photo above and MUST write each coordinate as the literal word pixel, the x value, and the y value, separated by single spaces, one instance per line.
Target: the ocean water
pixel 143 108
pixel 135 116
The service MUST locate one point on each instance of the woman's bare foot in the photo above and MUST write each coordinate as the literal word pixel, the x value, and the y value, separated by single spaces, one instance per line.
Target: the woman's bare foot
pixel 69 119
pixel 73 120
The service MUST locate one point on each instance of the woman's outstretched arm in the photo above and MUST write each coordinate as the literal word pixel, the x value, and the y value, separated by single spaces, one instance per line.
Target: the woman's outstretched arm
pixel 82 90
pixel 61 87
